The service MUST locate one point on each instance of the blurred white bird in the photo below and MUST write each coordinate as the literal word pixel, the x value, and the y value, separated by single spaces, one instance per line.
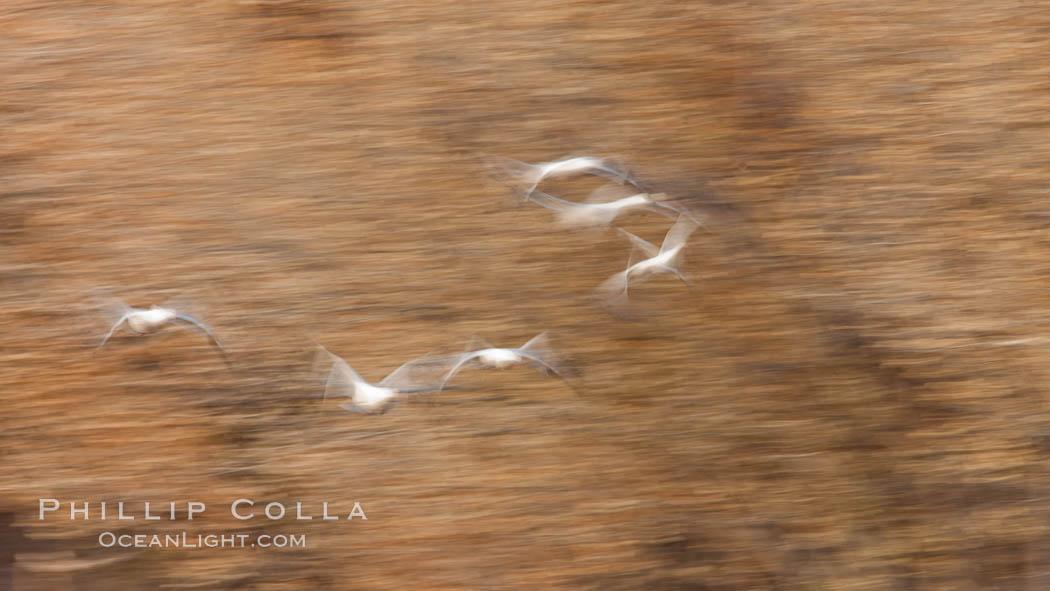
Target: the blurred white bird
pixel 372 398
pixel 536 352
pixel 534 174
pixel 142 321
pixel 664 259
pixel 595 213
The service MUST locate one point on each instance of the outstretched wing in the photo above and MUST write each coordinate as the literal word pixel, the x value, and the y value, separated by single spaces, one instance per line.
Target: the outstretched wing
pixel 684 210
pixel 459 361
pixel 541 363
pixel 513 172
pixel 642 244
pixel 539 351
pixel 510 166
pixel 615 288
pixel 604 167
pixel 419 375
pixel 341 378
pixel 679 233
pixel 112 330
pixel 613 170
pixel 537 345
pixel 191 322
pixel 477 343
pixel 111 307
pixel 552 202
pixel 657 205
pixel 113 310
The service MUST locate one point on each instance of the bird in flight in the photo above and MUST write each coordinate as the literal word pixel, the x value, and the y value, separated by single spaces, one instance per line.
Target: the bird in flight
pixel 665 259
pixel 534 174
pixel 370 398
pixel 536 352
pixel 146 321
pixel 602 213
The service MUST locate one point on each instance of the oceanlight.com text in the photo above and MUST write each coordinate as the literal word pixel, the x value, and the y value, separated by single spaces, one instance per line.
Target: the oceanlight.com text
pixel 187 540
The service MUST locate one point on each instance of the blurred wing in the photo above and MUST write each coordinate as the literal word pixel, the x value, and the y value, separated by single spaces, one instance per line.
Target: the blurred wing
pixel 112 309
pixel 191 322
pixel 619 173
pixel 642 244
pixel 188 305
pixel 401 377
pixel 685 210
pixel 666 209
pixel 537 345
pixel 112 330
pixel 539 351
pixel 341 377
pixel 614 287
pixel 520 172
pixel 631 260
pixel 679 233
pixel 541 363
pixel 598 166
pixel 456 366
pixel 550 201
pixel 419 375
pixel 477 343
pixel 321 356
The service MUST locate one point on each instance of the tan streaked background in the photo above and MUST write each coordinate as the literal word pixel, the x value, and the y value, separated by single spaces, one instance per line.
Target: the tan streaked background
pixel 851 397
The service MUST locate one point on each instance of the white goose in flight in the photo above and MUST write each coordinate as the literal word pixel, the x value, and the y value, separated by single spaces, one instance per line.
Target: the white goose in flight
pixel 664 259
pixel 601 213
pixel 146 321
pixel 534 174
pixel 535 352
pixel 372 398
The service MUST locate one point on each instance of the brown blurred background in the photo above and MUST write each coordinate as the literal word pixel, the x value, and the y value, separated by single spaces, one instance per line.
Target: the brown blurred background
pixel 851 397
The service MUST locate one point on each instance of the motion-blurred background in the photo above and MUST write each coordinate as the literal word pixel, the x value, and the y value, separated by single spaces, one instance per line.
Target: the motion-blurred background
pixel 851 397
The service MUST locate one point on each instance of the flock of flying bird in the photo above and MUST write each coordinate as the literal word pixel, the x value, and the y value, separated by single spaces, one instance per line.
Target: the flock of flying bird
pixel 366 397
